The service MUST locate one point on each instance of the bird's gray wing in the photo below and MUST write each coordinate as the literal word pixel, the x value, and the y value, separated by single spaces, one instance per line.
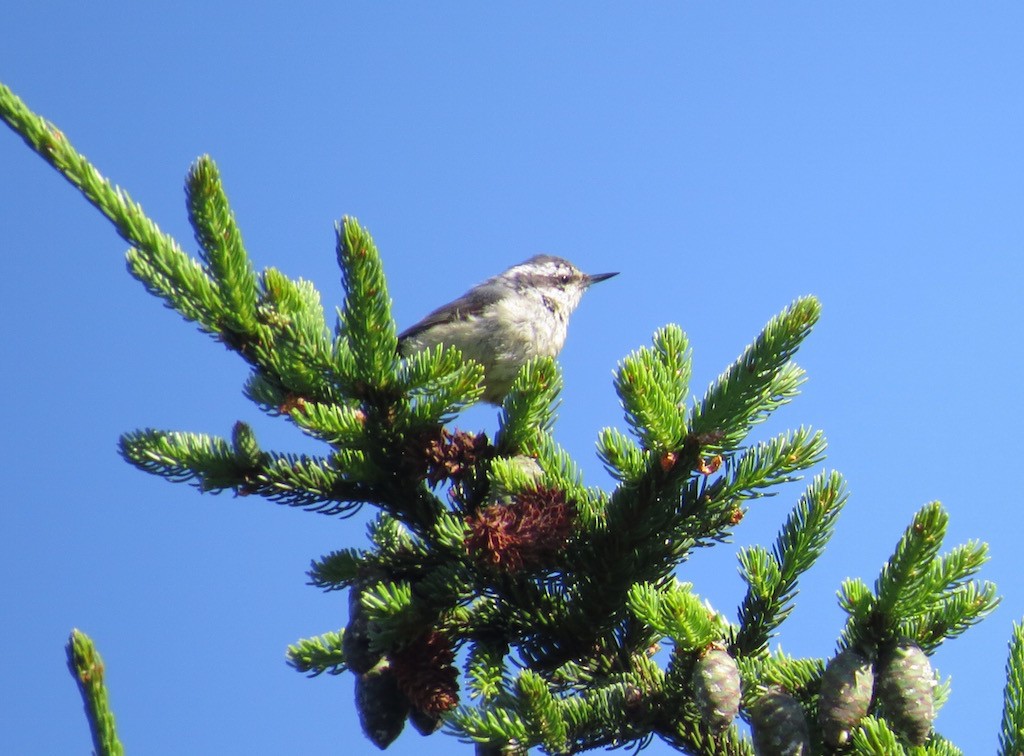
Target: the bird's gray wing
pixel 469 305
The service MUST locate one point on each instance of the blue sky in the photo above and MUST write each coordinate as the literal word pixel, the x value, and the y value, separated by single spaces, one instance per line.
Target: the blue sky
pixel 724 158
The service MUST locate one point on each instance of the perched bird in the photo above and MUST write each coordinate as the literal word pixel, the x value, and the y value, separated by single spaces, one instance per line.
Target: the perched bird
pixel 507 320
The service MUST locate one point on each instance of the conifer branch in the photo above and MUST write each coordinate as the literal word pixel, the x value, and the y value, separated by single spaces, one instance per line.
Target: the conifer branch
pixel 366 322
pixel 521 562
pixel 902 587
pixel 156 258
pixel 652 385
pixel 87 668
pixel 315 656
pixel 337 570
pixel 772 577
pixel 761 380
pixel 1011 729
pixel 221 243
pixel 528 411
pixel 768 464
pixel 874 737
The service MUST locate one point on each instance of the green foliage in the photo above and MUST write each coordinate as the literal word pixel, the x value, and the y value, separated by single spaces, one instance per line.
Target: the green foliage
pixel 315 656
pixel 772 576
pixel 768 464
pixel 761 380
pixel 528 412
pixel 87 668
pixel 920 595
pixel 339 569
pixel 560 593
pixel 1011 730
pixel 485 670
pixel 210 462
pixel 652 384
pixel 874 737
pixel 220 242
pixel 674 612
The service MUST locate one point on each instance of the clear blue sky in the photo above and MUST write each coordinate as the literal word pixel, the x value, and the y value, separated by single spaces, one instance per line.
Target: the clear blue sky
pixel 724 158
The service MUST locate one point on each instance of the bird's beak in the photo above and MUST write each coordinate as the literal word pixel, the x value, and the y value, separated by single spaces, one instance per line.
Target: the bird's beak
pixel 597 277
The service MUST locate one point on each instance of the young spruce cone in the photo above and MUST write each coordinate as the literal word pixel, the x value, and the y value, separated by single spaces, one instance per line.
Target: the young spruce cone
pixel 355 643
pixel 424 722
pixel 779 725
pixel 905 683
pixel 845 695
pixel 716 688
pixel 381 706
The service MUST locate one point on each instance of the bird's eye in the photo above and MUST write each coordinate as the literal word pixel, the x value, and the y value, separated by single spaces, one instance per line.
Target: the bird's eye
pixel 565 278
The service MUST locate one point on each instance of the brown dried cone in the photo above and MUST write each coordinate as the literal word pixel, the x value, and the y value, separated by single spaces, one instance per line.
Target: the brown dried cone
pixel 845 695
pixel 905 683
pixel 381 706
pixel 527 532
pixel 450 455
pixel 716 688
pixel 355 643
pixel 779 725
pixel 426 674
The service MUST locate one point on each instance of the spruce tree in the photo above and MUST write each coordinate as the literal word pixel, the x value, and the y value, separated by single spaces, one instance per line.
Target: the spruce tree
pixel 556 594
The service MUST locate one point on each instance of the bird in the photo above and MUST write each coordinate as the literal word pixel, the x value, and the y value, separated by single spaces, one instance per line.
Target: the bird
pixel 507 320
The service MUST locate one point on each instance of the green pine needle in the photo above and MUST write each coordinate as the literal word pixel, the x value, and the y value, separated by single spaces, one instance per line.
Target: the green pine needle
pixel 490 725
pixel 539 708
pixel 769 464
pixel 873 737
pixel 652 385
pixel 315 656
pixel 1011 729
pixel 208 460
pixel 221 243
pixel 156 259
pixel 905 583
pixel 528 410
pixel 366 318
pixel 87 668
pixel 673 611
pixel 622 458
pixel 761 380
pixel 485 671
pixel 337 570
pixel 772 577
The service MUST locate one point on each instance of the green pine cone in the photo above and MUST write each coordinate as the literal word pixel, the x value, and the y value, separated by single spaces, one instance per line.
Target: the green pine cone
pixel 355 643
pixel 905 683
pixel 716 689
pixel 381 706
pixel 845 695
pixel 246 448
pixel 779 725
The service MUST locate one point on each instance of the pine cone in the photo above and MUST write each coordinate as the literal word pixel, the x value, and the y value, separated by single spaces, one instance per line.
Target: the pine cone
pixel 449 456
pixel 425 724
pixel 779 725
pixel 529 531
pixel 905 683
pixel 381 706
pixel 845 695
pixel 716 689
pixel 355 643
pixel 426 674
